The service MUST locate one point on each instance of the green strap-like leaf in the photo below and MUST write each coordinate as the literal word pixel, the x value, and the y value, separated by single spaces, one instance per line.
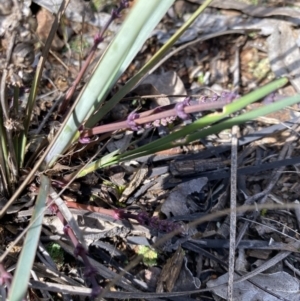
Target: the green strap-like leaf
pixel 22 274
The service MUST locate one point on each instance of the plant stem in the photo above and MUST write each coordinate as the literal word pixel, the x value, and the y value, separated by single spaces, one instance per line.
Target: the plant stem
pixel 79 250
pixel 111 212
pixel 149 116
pixel 142 218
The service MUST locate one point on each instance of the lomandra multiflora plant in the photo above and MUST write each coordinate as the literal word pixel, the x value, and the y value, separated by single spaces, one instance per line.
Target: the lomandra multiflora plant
pixel 80 123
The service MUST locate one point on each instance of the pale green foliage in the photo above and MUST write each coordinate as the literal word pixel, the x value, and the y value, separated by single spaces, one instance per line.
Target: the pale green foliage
pixel 149 255
pixel 56 253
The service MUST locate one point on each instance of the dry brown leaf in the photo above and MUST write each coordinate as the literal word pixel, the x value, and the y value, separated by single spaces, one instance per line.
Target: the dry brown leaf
pixel 44 20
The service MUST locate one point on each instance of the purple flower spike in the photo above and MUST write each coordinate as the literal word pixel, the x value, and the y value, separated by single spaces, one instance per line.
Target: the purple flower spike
pixel 79 250
pixel 180 109
pixel 143 218
pixel 155 223
pixel 163 225
pixel 131 123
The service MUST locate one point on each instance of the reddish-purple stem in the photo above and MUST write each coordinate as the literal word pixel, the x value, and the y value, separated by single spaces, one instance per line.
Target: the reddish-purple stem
pixel 142 217
pixel 90 272
pixel 146 117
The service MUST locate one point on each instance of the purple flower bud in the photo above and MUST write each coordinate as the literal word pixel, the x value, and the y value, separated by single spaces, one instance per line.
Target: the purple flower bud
pixel 171 119
pixel 84 140
pixel 124 4
pixel 203 98
pixel 118 214
pixel 156 123
pixel 163 121
pixel 180 109
pixel 143 218
pixel 214 98
pixel 52 207
pixel 154 223
pixel 131 123
pixel 115 14
pixel 98 39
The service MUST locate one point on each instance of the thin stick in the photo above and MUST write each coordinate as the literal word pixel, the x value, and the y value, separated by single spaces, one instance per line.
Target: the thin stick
pixel 234 146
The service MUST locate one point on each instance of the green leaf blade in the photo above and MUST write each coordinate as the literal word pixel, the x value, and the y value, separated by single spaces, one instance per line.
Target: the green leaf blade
pixel 22 274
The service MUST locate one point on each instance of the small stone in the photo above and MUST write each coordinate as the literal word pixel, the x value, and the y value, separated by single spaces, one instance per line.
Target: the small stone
pixel 23 55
